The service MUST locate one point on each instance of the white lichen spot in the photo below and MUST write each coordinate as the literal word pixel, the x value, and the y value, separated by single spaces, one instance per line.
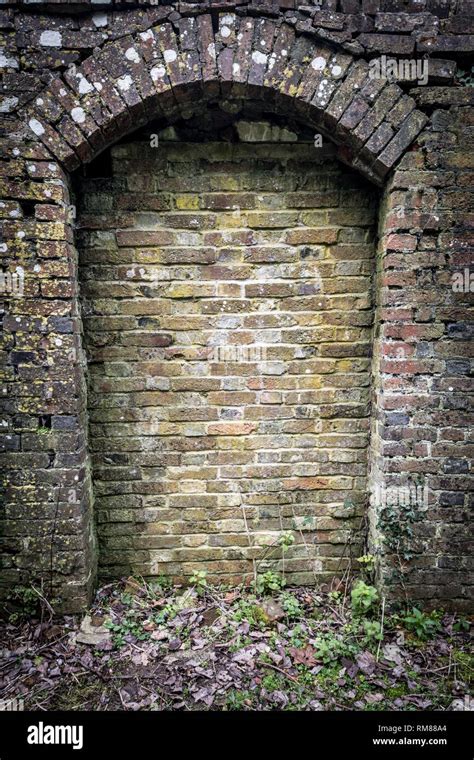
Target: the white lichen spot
pixel 211 49
pixel 37 268
pixel 8 104
pixel 125 82
pixel 132 55
pixel 8 63
pixel 58 342
pixel 225 32
pixel 31 168
pixel 78 115
pixel 36 127
pixel 84 85
pixel 284 52
pixel 236 69
pixel 145 36
pixel 16 151
pixel 20 234
pixel 62 92
pixel 3 248
pixel 98 86
pixel 39 101
pixel 258 57
pixel 99 19
pixel 51 38
pixel 336 71
pixel 228 19
pixel 318 63
pixel 157 72
pixel 169 56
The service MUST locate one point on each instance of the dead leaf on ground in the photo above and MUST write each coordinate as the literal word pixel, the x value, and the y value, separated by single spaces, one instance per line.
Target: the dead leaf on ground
pixel 304 655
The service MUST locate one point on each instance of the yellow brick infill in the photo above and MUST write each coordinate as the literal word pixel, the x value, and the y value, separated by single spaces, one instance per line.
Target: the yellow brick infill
pixel 229 340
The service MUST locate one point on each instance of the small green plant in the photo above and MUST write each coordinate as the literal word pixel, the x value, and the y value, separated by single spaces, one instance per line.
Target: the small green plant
pixel 423 625
pixel 372 631
pixel 168 612
pixel 251 613
pixel 272 682
pixel 464 664
pixel 128 626
pixel 127 599
pixel 25 601
pixel 159 584
pixel 462 625
pixel 291 605
pixel 363 599
pixel 367 565
pixel 238 700
pixel 199 581
pixel 329 648
pixel 298 636
pixel 268 582
pixel 286 540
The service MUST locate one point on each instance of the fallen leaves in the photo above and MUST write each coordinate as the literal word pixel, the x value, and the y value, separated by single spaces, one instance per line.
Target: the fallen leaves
pixel 303 656
pixel 176 650
pixel 366 662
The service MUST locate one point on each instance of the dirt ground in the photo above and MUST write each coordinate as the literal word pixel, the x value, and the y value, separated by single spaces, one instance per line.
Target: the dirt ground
pixel 153 646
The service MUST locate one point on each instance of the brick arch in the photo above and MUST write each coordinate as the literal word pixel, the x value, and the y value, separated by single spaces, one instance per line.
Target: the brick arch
pixel 161 72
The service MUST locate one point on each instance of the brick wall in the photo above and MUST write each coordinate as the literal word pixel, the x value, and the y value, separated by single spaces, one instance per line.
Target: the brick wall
pixel 228 327
pixel 75 83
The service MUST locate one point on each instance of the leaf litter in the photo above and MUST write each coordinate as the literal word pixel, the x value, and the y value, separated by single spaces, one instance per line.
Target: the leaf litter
pixel 145 646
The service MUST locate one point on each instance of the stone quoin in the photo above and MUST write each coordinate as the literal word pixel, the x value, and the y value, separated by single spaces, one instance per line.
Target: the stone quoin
pixel 132 442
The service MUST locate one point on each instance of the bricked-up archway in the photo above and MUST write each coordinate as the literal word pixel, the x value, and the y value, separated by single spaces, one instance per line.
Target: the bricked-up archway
pixel 227 299
pixel 162 70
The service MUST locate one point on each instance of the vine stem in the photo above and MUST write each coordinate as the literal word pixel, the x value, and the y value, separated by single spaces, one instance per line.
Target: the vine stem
pixel 53 534
pixel 248 537
pixel 381 629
